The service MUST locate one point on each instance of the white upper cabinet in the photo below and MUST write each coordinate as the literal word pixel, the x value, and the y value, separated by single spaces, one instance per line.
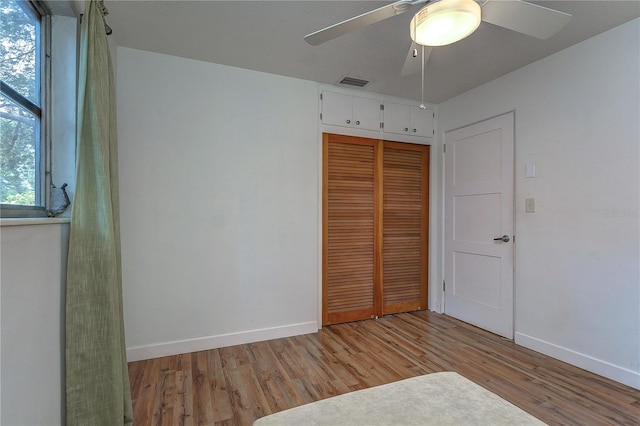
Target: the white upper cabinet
pixel 408 120
pixel 350 111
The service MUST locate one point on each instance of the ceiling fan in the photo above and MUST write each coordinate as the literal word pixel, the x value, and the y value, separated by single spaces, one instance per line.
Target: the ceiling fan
pixel 442 22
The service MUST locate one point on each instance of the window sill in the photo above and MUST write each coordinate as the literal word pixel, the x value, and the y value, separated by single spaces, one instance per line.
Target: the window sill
pixel 33 221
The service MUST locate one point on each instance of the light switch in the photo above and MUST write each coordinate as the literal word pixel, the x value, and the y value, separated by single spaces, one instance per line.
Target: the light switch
pixel 529 205
pixel 530 170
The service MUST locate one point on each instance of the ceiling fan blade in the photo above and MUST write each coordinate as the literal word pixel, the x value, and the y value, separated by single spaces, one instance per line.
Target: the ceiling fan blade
pixel 413 64
pixel 527 18
pixel 359 21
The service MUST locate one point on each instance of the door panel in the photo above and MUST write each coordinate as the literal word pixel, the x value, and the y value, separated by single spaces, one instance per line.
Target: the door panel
pixel 337 109
pixel 469 210
pixel 478 158
pixel 348 270
pixel 474 278
pixel 366 113
pixel 396 118
pixel 405 209
pixel 478 209
pixel 421 121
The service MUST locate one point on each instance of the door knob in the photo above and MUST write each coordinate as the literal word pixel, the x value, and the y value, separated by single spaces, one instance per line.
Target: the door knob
pixel 505 238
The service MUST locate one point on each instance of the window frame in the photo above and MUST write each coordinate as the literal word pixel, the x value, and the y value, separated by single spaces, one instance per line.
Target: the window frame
pixel 42 16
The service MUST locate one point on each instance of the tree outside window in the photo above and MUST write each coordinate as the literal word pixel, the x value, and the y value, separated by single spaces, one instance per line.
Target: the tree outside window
pixel 20 108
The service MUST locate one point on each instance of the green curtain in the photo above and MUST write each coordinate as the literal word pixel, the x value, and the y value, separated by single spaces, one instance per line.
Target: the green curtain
pixel 97 381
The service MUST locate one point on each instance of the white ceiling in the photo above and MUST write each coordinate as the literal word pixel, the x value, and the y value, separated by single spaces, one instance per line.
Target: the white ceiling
pixel 268 36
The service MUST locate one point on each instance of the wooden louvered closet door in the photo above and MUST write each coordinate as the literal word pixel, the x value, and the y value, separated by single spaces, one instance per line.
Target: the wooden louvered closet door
pixel 375 204
pixel 348 238
pixel 405 227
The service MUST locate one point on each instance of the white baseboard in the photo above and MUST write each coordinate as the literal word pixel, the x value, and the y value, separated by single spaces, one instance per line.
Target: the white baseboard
pixel 589 363
pixel 156 350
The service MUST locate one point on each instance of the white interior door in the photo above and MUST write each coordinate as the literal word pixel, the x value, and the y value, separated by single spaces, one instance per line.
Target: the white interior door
pixel 478 214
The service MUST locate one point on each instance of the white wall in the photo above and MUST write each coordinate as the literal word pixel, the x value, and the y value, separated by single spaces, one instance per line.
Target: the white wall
pixel 577 257
pixel 32 270
pixel 219 204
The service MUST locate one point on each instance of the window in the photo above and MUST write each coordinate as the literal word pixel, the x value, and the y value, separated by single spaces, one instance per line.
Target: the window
pixel 22 114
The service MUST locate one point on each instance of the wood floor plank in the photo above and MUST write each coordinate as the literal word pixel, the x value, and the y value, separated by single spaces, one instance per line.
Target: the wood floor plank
pixel 202 398
pixel 147 391
pixel 136 372
pixel 160 415
pixel 238 384
pixel 173 405
pixel 279 390
pixel 219 389
pixel 329 359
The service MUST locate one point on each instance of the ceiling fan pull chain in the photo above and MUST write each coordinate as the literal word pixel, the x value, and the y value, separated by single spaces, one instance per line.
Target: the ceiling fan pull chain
pixel 422 106
pixel 415 52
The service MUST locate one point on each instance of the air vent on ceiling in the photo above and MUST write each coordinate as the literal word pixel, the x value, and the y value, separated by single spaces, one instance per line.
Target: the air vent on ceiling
pixel 354 82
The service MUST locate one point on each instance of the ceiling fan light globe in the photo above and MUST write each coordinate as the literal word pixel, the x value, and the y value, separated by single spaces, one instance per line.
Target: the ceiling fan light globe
pixel 445 22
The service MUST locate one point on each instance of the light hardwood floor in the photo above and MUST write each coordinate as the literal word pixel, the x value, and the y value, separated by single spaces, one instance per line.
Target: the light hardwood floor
pixel 238 384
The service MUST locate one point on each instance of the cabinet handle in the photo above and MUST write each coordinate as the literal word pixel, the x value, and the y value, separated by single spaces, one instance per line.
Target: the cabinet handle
pixel 357 123
pixel 348 121
pixel 414 130
pixel 406 129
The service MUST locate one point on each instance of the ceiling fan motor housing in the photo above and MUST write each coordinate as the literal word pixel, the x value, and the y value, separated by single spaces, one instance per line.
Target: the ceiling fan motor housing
pixel 445 22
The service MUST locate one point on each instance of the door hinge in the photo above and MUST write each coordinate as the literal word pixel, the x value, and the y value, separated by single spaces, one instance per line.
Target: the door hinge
pixel 444 148
pixel 382 125
pixel 381 107
pixel 444 286
pixel 320 96
pixel 320 116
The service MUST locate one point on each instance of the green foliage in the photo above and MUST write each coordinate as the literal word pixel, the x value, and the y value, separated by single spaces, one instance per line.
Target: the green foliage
pixel 18 126
pixel 24 199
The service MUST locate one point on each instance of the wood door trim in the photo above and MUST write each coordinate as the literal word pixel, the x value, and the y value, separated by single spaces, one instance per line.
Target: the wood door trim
pixel 325 226
pixel 405 146
pixel 424 291
pixel 377 236
pixel 403 307
pixel 338 317
pixel 349 139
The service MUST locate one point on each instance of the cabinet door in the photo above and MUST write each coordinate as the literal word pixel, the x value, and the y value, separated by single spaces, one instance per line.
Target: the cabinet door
pixel 366 113
pixel 337 109
pixel 421 122
pixel 408 120
pixel 396 118
pixel 349 214
pixel 405 177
